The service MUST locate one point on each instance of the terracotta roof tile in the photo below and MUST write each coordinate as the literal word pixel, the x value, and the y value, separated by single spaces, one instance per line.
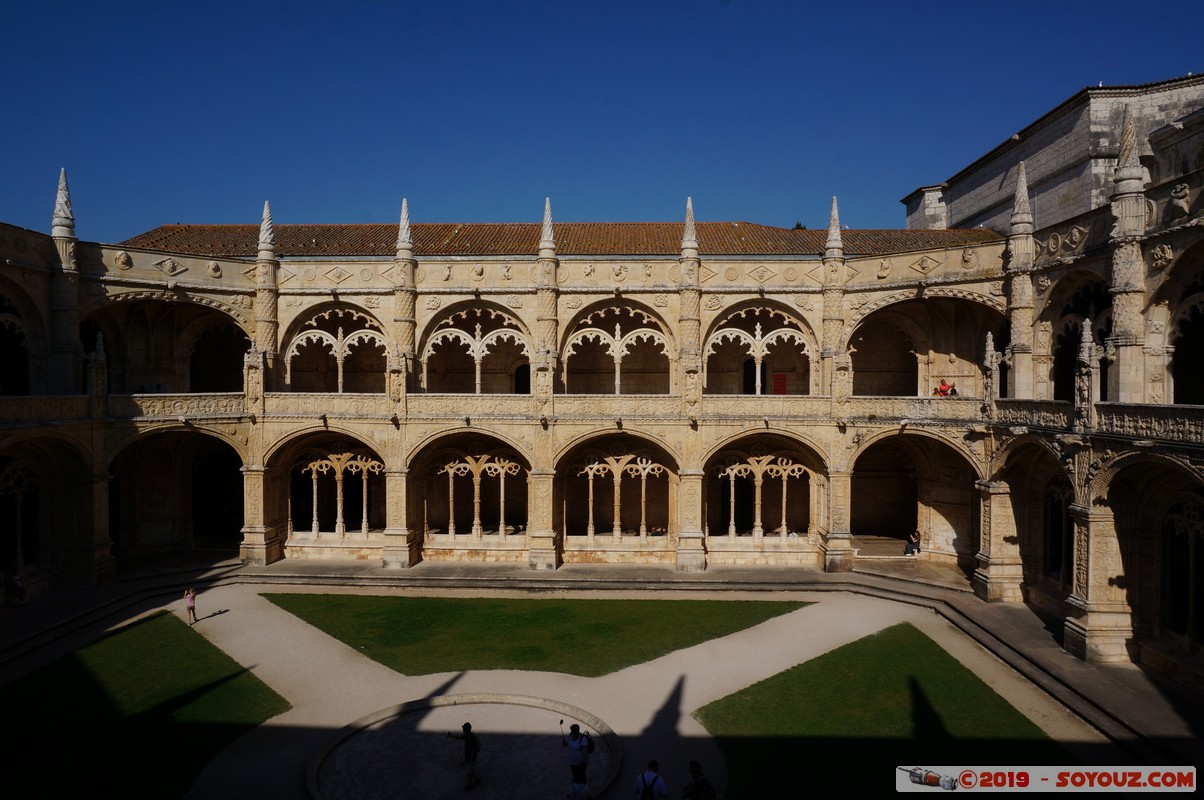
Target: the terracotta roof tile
pixel 522 239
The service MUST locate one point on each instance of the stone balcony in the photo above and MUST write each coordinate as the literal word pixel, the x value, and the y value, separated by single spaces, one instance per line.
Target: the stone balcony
pixel 1138 422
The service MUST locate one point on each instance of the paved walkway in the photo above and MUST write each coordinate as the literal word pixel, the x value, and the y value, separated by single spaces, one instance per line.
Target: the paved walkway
pixel 358 729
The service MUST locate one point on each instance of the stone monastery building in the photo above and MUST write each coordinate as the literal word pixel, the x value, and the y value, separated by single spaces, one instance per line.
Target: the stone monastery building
pixel 682 393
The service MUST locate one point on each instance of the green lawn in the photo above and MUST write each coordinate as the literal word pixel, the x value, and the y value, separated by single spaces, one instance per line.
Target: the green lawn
pixel 142 710
pixel 423 635
pixel 845 720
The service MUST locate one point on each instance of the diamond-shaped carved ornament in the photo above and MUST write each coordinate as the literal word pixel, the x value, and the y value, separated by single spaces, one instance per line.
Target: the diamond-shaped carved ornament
pixel 170 267
pixel 705 273
pixel 761 274
pixel 338 274
pixel 925 265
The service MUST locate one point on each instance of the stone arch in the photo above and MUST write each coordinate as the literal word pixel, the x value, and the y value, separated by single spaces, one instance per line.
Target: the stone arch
pixel 905 343
pixel 763 334
pixel 215 348
pixel 232 310
pixel 615 495
pixel 326 491
pixel 611 337
pixel 1181 296
pixel 469 492
pixel 150 338
pixel 764 484
pixel 336 347
pixel 1078 295
pixel 1041 497
pixel 474 348
pixel 174 489
pixel 23 344
pixel 46 510
pixel 1129 565
pixel 915 484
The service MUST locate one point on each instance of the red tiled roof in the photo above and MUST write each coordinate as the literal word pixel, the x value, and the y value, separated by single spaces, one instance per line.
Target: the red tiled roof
pixel 522 239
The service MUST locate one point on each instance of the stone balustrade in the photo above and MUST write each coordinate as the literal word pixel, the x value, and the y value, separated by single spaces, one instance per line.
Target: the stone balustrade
pixel 1047 414
pixel 1164 423
pixel 173 406
pixel 43 409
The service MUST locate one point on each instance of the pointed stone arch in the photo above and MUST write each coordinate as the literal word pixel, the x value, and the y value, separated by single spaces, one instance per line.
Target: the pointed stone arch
pixel 475 348
pixel 778 345
pixel 336 348
pixel 610 339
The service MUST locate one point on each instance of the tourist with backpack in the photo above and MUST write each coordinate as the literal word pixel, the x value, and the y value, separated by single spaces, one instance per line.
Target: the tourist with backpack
pixel 650 785
pixel 579 746
pixel 699 787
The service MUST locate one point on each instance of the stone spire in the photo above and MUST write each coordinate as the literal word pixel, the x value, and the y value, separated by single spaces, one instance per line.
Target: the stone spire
pixel 689 236
pixel 64 220
pixel 1022 211
pixel 547 242
pixel 1086 341
pixel 1129 173
pixel 405 243
pixel 834 248
pixel 267 236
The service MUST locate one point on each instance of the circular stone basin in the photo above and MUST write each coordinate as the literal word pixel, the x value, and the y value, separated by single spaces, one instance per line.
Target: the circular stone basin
pixel 404 751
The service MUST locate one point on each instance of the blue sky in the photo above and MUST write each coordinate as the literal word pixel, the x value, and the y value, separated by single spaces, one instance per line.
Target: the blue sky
pixel 168 112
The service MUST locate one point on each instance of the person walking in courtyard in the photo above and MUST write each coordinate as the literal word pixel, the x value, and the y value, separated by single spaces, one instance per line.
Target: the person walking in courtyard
pixel 699 787
pixel 650 785
pixel 472 749
pixel 190 604
pixel 577 744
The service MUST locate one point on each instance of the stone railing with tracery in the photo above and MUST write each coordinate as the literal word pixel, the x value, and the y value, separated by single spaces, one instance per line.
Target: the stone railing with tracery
pixel 760 469
pixel 43 408
pixel 343 405
pixel 1170 423
pixel 339 466
pixel 1037 413
pixel 614 468
pixel 174 406
pixel 478 468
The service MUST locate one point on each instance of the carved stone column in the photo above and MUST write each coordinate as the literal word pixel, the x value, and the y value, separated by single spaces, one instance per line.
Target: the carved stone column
pixel 1020 258
pixel 838 540
pixel 690 317
pixel 543 542
pixel 405 301
pixel 1126 378
pixel 1000 570
pixel 1100 626
pixel 691 547
pixel 261 544
pixel 401 550
pixel 547 322
pixel 836 367
pixel 87 556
